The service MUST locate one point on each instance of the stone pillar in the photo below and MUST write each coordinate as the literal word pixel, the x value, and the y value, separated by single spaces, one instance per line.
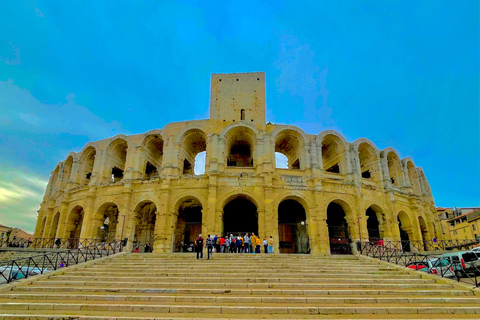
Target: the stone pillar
pixel 323 240
pixel 73 181
pixel 160 244
pixel 90 221
pixel 270 216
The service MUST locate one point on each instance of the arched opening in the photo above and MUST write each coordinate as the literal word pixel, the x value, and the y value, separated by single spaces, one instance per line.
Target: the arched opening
pixel 338 229
pixel 369 168
pixel 145 218
pixel 194 142
pixel 423 230
pixel 189 224
pixel 54 226
pixel 108 216
pixel 281 161
pixel 153 156
pixel 394 169
pixel 54 180
pixel 240 216
pixel 242 114
pixel 240 145
pixel 42 228
pixel 333 154
pixel 74 226
pixel 87 161
pixel 67 170
pixel 413 177
pixel 374 225
pixel 292 227
pixel 288 144
pixel 117 155
pixel 405 227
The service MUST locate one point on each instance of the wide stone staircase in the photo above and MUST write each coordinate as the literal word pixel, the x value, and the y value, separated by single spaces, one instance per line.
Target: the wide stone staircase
pixel 238 286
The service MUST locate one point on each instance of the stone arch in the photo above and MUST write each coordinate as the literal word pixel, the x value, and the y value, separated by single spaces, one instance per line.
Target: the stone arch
pixel 42 228
pixel 193 142
pixel 423 182
pixel 340 232
pixel 54 226
pixel 145 216
pixel 423 228
pixel 66 172
pixel 188 225
pixel 55 177
pixel 74 225
pixel 334 152
pixel 153 151
pixel 239 215
pixel 293 225
pixel 376 223
pixel 368 160
pixel 412 175
pixel 87 161
pixel 291 144
pixel 116 159
pixel 394 167
pixel 405 227
pixel 106 221
pixel 240 147
pixel 229 196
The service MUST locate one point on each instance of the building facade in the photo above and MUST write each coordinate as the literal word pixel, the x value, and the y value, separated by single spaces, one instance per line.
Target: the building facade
pixel 143 187
pixel 460 223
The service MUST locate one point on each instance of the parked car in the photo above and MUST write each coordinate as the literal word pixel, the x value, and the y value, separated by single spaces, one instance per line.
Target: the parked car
pixel 476 250
pixel 15 273
pixel 468 261
pixel 435 266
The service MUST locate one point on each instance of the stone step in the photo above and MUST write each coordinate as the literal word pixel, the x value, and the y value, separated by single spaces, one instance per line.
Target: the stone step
pixel 252 308
pixel 221 273
pixel 53 282
pixel 214 278
pixel 448 291
pixel 244 300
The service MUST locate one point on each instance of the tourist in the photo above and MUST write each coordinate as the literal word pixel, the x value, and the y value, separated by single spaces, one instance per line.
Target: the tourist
pixel 58 242
pixel 147 247
pixel 246 243
pixel 265 246
pixel 136 248
pixel 199 242
pixel 270 245
pixel 253 241
pixel 238 244
pixel 227 245
pixel 222 244
pixel 258 242
pixel 210 246
pixel 232 243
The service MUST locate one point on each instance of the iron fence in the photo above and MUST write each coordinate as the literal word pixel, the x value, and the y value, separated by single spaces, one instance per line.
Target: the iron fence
pixel 21 268
pixel 51 243
pixel 439 264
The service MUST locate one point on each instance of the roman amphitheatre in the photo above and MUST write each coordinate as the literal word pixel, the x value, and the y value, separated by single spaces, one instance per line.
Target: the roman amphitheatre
pixel 146 187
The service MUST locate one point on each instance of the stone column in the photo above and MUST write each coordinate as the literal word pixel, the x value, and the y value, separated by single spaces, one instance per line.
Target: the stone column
pixel 160 245
pixel 323 239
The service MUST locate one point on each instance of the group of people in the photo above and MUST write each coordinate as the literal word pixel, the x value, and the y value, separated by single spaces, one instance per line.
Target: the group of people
pixel 136 247
pixel 230 244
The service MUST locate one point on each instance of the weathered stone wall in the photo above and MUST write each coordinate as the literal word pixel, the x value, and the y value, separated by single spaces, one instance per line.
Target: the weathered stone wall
pixel 155 183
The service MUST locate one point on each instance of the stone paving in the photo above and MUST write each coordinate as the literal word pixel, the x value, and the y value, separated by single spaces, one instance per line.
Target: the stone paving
pixel 238 286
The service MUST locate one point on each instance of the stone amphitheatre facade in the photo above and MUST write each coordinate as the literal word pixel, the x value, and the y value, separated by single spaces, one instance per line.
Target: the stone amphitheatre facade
pixel 144 187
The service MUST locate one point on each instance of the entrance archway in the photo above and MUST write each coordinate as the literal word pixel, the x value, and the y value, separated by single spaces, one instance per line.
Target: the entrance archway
pixel 145 218
pixel 424 231
pixel 189 225
pixel 292 227
pixel 338 229
pixel 108 215
pixel 405 227
pixel 374 224
pixel 240 216
pixel 74 226
pixel 54 226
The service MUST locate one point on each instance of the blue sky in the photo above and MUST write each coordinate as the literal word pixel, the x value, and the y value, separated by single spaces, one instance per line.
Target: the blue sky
pixel 401 73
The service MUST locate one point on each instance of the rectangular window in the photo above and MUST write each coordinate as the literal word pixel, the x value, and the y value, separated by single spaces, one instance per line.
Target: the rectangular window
pixel 473 227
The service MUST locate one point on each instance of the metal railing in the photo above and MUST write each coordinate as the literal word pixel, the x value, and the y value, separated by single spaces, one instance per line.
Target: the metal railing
pixel 21 268
pixel 51 243
pixel 433 263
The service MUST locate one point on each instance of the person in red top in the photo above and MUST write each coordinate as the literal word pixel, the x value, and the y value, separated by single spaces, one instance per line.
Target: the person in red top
pixel 199 243
pixel 222 244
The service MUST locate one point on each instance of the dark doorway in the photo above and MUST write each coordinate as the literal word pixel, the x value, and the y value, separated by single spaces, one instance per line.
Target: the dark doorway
pixel 189 226
pixel 373 226
pixel 404 237
pixel 338 230
pixel 292 228
pixel 239 217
